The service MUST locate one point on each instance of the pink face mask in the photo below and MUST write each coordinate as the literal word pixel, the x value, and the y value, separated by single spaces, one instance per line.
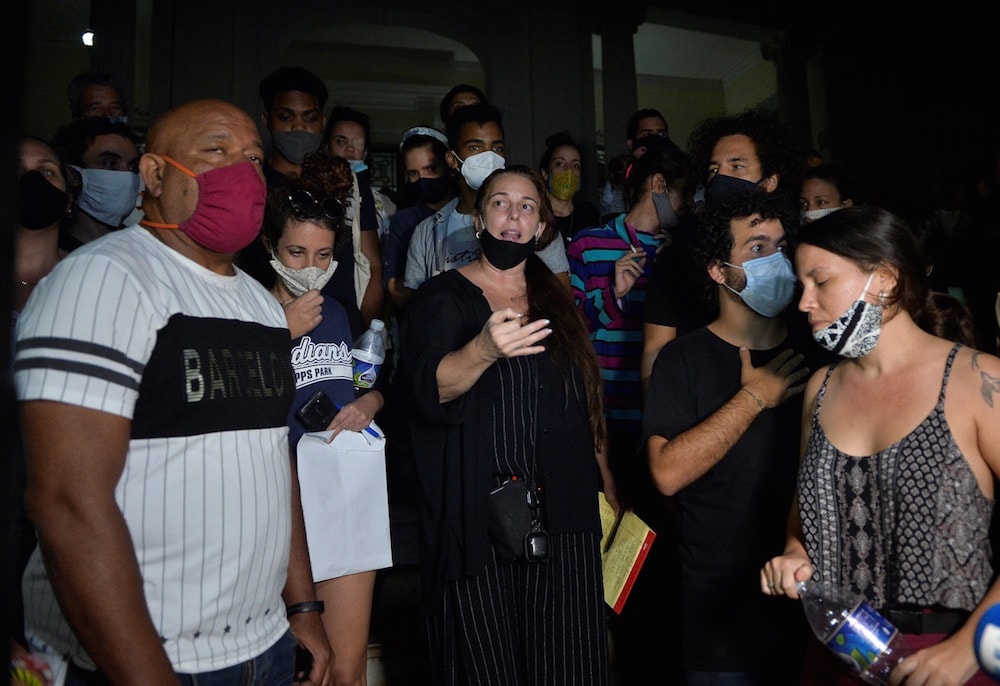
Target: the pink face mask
pixel 230 207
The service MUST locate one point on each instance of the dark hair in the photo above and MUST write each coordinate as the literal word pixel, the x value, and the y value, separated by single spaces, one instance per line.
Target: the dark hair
pixel 74 89
pixel 324 176
pixel 633 122
pixel 670 161
pixel 771 140
pixel 450 95
pixel 72 140
pixel 833 175
pixel 871 237
pixel 287 79
pixel 714 236
pixel 548 298
pixel 344 113
pixel 422 140
pixel 555 141
pixel 480 113
pixel 947 317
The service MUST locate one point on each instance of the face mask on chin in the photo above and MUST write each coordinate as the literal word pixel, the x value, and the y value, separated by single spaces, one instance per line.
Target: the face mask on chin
pixel 230 207
pixel 504 254
pixel 770 284
pixel 475 168
pixel 107 196
pixel 855 333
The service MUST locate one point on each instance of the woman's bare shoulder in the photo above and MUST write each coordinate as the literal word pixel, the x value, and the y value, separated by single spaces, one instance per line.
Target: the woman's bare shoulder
pixel 977 374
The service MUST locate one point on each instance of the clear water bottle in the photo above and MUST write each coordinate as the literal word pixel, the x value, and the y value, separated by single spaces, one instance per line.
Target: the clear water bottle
pixel 369 354
pixel 846 624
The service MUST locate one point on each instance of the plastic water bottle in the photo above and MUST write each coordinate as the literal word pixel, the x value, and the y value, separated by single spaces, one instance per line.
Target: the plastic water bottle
pixel 846 624
pixel 369 354
pixel 987 642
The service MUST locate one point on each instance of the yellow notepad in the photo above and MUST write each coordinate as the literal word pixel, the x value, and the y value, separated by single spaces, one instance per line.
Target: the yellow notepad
pixel 623 559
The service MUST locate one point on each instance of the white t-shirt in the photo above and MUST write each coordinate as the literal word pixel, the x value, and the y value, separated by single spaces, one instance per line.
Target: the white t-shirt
pixel 199 362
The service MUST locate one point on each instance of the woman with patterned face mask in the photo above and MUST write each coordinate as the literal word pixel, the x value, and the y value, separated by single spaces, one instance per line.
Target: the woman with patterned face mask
pixel 901 452
pixel 562 166
pixel 302 221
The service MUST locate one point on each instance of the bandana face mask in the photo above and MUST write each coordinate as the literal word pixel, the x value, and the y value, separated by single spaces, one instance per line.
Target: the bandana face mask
pixel 855 333
pixel 299 281
pixel 230 207
pixel 770 284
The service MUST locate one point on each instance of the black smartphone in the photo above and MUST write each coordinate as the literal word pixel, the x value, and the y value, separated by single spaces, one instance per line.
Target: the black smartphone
pixel 317 412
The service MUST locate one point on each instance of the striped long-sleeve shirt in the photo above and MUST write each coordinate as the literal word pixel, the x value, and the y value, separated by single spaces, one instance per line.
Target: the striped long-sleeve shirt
pixel 615 324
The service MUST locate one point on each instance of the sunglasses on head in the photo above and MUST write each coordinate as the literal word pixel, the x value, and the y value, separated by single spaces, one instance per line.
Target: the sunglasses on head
pixel 305 205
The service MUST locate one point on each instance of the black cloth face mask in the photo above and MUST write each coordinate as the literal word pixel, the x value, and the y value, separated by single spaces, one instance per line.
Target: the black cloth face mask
pixel 39 203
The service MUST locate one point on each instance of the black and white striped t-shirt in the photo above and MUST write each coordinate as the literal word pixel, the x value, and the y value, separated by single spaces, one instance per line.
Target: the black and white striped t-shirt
pixel 200 363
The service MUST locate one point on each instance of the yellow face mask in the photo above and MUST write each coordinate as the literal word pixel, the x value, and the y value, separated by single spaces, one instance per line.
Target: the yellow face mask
pixel 564 185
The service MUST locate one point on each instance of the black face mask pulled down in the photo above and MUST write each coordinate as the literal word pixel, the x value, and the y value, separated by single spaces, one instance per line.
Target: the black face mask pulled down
pixel 504 254
pixel 39 203
pixel 725 188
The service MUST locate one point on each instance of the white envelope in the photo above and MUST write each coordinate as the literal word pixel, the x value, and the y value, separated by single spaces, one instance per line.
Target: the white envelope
pixel 345 502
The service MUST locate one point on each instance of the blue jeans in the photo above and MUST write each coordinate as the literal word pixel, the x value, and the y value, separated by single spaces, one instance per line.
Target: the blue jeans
pixel 693 678
pixel 274 667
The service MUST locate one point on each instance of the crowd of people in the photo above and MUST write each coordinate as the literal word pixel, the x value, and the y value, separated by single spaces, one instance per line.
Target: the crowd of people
pixel 785 381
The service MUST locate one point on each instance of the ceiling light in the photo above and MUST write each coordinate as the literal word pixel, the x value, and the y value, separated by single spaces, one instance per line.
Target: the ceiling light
pixel 88 38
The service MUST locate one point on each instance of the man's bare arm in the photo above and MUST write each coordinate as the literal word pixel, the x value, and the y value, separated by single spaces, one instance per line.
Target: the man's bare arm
pixel 75 458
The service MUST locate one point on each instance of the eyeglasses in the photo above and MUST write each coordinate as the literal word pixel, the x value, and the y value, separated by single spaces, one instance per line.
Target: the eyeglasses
pixel 305 205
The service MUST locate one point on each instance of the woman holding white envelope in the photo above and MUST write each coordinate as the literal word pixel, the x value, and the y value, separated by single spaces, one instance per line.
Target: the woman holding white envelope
pixel 340 454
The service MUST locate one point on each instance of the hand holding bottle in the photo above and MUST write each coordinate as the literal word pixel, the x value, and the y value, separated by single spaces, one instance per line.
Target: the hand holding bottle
pixel 781 575
pixel 855 632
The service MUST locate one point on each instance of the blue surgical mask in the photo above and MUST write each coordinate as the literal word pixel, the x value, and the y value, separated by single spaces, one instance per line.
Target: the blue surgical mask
pixel 108 195
pixel 723 188
pixel 357 166
pixel 770 284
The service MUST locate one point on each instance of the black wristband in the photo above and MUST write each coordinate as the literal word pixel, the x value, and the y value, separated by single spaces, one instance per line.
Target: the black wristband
pixel 308 606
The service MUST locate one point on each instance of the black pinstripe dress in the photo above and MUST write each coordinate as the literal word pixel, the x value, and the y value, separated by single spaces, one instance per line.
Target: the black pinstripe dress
pixel 524 623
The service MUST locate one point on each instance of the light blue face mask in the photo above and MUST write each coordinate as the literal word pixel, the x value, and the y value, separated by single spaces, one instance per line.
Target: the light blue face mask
pixel 770 284
pixel 357 166
pixel 106 195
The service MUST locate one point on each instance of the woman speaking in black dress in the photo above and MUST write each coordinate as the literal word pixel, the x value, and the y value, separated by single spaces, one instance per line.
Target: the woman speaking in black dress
pixel 507 388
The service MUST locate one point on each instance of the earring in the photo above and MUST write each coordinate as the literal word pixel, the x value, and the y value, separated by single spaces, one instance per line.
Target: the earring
pixel 881 298
pixel 478 234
